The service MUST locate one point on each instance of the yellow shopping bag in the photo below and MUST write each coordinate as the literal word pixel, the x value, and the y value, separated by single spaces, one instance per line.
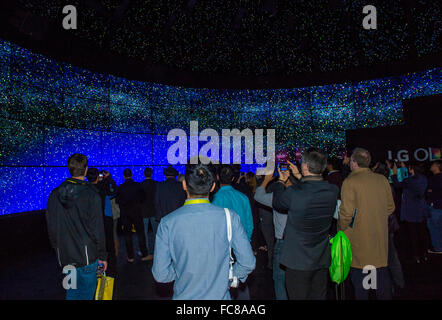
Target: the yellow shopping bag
pixel 105 288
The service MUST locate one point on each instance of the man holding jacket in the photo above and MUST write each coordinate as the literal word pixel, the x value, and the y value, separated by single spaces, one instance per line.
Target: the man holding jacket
pixel 76 230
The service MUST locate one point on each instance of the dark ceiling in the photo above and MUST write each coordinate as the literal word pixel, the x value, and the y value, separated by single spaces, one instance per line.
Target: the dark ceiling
pixel 232 44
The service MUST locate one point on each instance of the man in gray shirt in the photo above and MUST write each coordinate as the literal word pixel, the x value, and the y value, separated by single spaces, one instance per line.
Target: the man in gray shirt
pixel 279 221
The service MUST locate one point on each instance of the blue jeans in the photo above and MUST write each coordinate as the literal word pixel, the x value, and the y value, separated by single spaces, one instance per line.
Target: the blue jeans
pixel 278 273
pixel 434 224
pixel 150 236
pixel 86 283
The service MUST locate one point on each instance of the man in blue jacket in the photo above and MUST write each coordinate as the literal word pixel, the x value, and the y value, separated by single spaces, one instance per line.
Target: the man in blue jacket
pixel 229 197
pixel 192 246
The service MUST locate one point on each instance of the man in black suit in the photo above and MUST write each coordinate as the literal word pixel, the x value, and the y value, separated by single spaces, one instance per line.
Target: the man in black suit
pixel 169 194
pixel 310 205
pixel 129 195
pixel 148 208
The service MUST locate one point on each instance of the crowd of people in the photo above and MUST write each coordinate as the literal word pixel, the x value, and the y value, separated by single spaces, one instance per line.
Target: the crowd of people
pixel 204 229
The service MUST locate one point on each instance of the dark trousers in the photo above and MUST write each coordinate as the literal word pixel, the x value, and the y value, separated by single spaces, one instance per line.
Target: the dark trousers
pixel 306 285
pixel 151 235
pixel 240 293
pixel 418 238
pixel 394 264
pixel 137 221
pixel 383 283
pixel 334 227
pixel 110 247
pixel 258 239
pixel 268 230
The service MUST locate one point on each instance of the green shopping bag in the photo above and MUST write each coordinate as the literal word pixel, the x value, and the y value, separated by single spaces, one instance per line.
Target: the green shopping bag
pixel 341 257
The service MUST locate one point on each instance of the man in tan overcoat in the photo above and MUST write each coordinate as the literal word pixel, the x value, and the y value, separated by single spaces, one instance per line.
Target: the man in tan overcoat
pixel 367 201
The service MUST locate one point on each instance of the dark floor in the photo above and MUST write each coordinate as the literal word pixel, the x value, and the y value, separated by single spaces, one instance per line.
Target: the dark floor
pixel 36 275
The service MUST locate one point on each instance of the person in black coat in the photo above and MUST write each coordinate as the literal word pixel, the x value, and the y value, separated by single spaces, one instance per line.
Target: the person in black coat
pixel 240 184
pixel 100 185
pixel 169 194
pixel 434 199
pixel 414 208
pixel 148 208
pixel 310 205
pixel 334 175
pixel 129 195
pixel 434 191
pixel 75 228
pixel 394 264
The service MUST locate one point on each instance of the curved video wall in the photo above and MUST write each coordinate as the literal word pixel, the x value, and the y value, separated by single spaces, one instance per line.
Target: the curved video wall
pixel 50 110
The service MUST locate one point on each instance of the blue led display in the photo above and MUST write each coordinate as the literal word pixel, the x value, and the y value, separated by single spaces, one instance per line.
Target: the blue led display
pixel 50 110
pixel 21 189
pixel 60 143
pixel 126 149
pixel 126 118
pixel 22 143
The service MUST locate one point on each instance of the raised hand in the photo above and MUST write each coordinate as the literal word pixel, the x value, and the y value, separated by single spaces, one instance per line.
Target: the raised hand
pixel 395 168
pixel 293 167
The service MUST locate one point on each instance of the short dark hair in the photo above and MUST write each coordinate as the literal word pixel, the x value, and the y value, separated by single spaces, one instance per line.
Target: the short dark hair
pixel 92 174
pixel 77 164
pixel 199 179
pixel 335 163
pixel 418 167
pixel 250 175
pixel 362 157
pixel 226 174
pixel 382 169
pixel 316 160
pixel 236 169
pixel 148 172
pixel 127 173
